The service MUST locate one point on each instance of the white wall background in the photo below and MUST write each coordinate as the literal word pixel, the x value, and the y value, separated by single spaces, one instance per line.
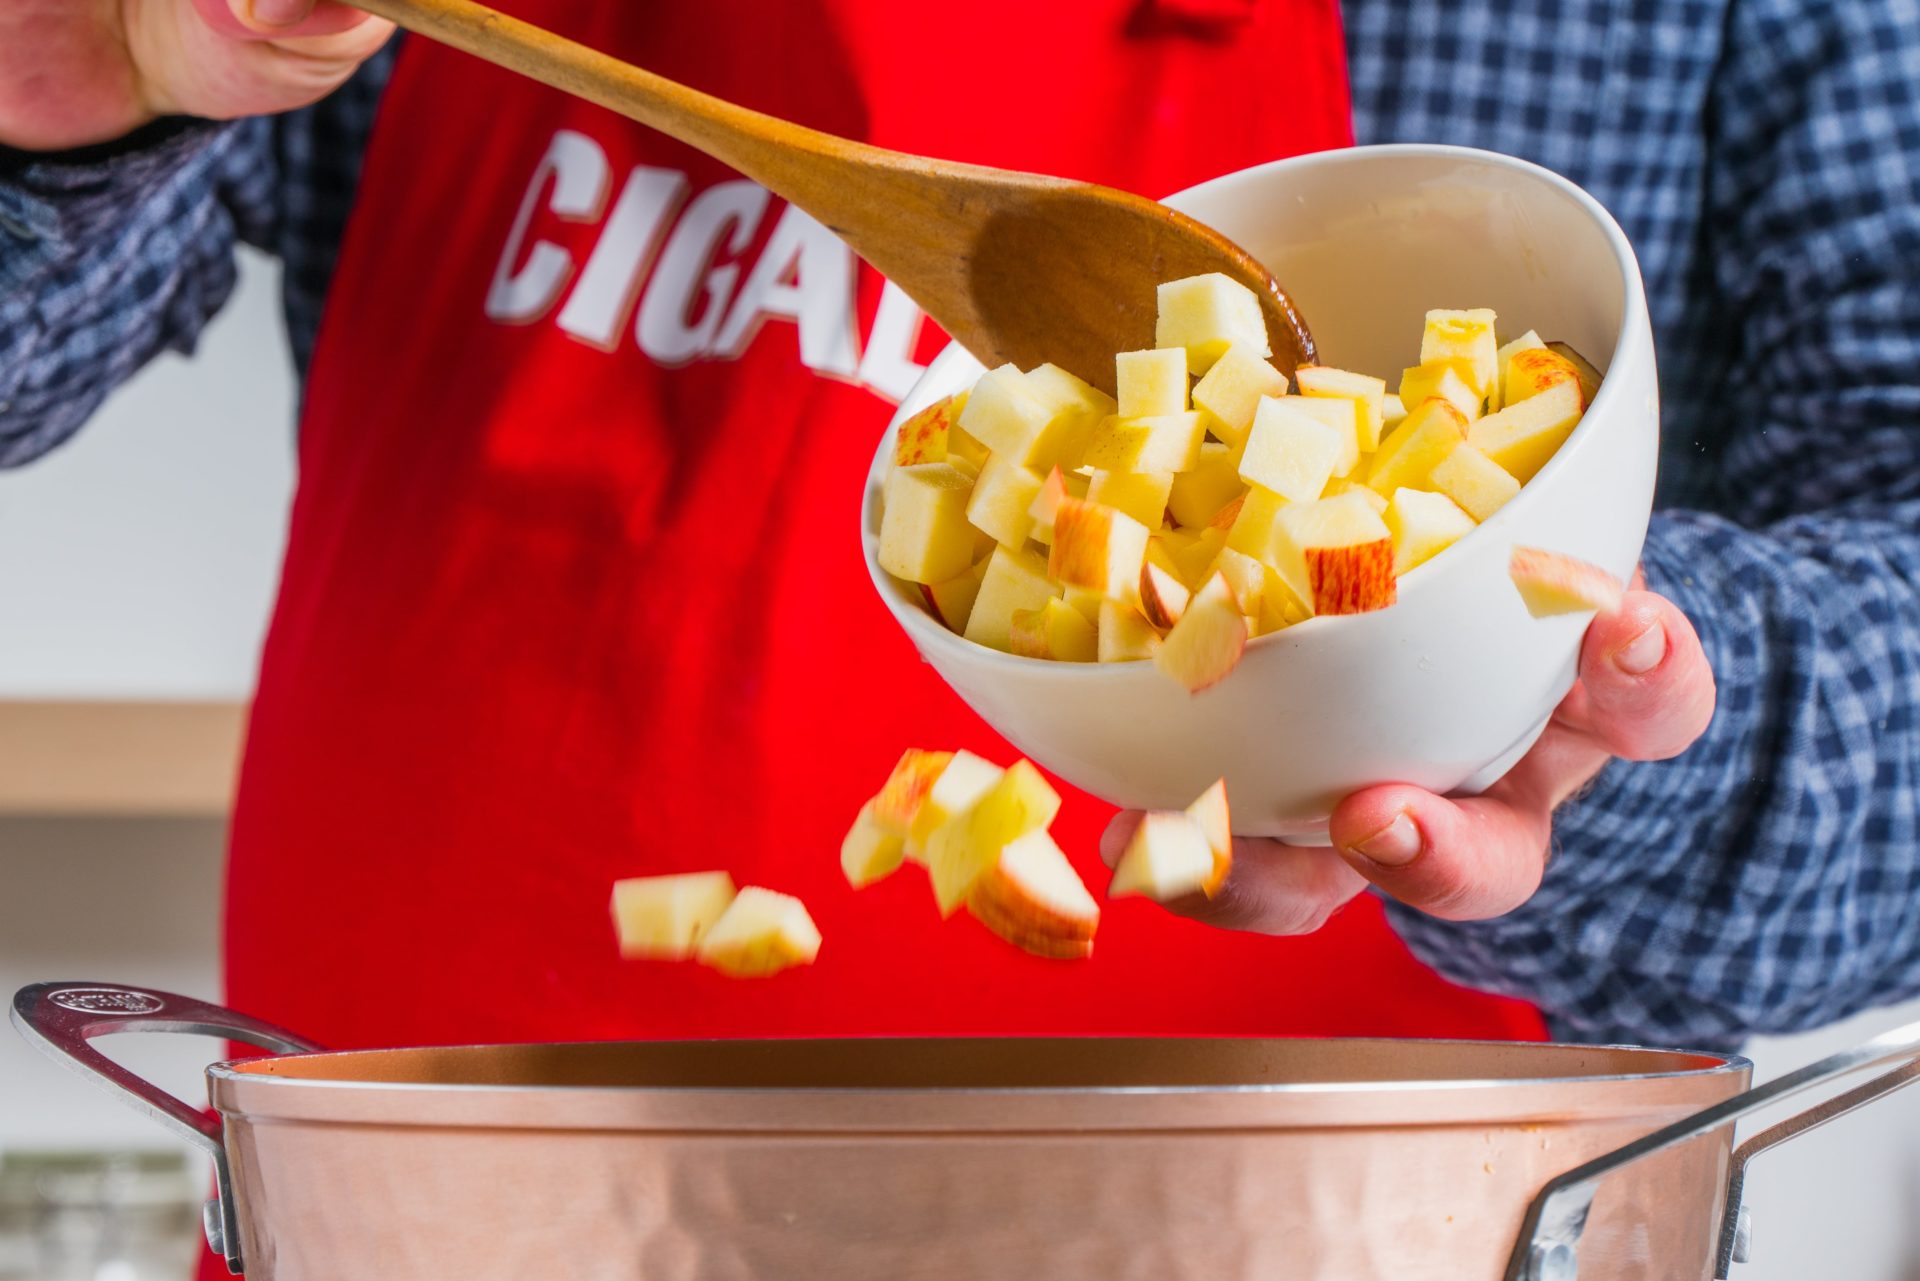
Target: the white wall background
pixel 138 562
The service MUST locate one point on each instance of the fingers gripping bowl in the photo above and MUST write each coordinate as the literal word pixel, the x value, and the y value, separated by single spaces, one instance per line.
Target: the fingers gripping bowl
pixel 1448 687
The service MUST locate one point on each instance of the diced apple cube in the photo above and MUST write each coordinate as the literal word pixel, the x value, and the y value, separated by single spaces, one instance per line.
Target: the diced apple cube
pixel 1124 635
pixel 952 600
pixel 1523 436
pixel 957 788
pixel 664 917
pixel 869 852
pixel 1423 525
pixel 1231 392
pixel 1210 812
pixel 1161 443
pixel 1473 480
pixel 1196 496
pixel 1529 341
pixel 1097 548
pixel 1407 457
pixel 1462 335
pixel 1140 494
pixel 1207 642
pixel 1086 602
pixel 1192 561
pixel 1151 382
pixel 1057 631
pixel 1336 554
pixel 1045 503
pixel 1551 583
pixel 1062 390
pixel 1020 801
pixel 1589 375
pixel 1247 577
pixel 1168 858
pixel 1207 315
pixel 923 437
pixel 924 534
pixel 1014 580
pixel 1163 597
pixel 1392 410
pixel 1030 426
pixel 1291 453
pixel 1338 412
pixel 1348 485
pixel 1532 372
pixel 1252 530
pixel 761 933
pixel 1002 502
pixel 1447 379
pixel 1032 897
pixel 898 801
pixel 1369 394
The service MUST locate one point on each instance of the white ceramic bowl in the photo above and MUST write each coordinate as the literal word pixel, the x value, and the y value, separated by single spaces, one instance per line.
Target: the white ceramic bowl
pixel 1449 687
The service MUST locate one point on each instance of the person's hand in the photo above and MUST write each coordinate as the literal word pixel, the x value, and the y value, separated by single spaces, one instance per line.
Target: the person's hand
pixel 1645 693
pixel 78 72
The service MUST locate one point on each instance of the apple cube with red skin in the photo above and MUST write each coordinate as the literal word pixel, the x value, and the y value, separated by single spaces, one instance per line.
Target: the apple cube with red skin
pixel 664 917
pixel 1032 897
pixel 899 799
pixel 1163 597
pixel 1098 548
pixel 1589 375
pixel 1207 642
pixel 923 437
pixel 1337 554
pixel 1533 371
pixel 1551 583
pixel 760 934
pixel 957 852
pixel 1529 341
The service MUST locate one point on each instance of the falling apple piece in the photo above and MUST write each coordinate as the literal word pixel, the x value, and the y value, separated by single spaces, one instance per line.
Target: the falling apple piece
pixel 1210 812
pixel 1168 858
pixel 664 917
pixel 760 934
pixel 1032 897
pixel 1551 583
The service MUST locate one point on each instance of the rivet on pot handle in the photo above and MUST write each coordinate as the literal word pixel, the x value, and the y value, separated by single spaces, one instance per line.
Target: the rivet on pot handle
pixel 60 1019
pixel 1549 1244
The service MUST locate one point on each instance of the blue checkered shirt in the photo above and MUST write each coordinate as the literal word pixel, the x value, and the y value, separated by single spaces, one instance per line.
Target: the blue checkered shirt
pixel 1764 156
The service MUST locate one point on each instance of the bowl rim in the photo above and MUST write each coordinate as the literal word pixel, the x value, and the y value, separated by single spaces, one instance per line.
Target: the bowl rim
pixel 926 631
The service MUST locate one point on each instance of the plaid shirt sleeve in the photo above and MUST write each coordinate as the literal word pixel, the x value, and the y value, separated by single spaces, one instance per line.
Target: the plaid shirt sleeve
pixel 109 257
pixel 1769 879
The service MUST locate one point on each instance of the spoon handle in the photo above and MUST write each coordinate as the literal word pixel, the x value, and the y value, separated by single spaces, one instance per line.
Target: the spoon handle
pixel 774 152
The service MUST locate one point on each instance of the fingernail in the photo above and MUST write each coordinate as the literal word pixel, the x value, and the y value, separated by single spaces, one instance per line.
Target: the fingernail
pixel 1643 653
pixel 1395 845
pixel 279 13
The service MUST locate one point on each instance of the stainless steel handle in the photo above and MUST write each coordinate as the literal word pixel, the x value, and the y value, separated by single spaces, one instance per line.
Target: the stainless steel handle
pixel 1549 1244
pixel 61 1020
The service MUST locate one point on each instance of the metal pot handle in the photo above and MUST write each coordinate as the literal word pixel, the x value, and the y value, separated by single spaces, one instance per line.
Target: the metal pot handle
pixel 61 1019
pixel 1549 1244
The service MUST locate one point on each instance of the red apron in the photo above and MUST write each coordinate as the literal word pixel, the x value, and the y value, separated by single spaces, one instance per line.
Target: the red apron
pixel 573 589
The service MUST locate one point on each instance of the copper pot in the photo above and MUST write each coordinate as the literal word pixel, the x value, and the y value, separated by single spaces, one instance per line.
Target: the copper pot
pixel 962 1160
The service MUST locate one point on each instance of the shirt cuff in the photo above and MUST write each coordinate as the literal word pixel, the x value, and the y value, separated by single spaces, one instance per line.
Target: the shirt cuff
pixel 52 203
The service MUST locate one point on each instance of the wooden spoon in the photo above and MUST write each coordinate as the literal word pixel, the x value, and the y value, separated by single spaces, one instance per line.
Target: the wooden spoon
pixel 1015 266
